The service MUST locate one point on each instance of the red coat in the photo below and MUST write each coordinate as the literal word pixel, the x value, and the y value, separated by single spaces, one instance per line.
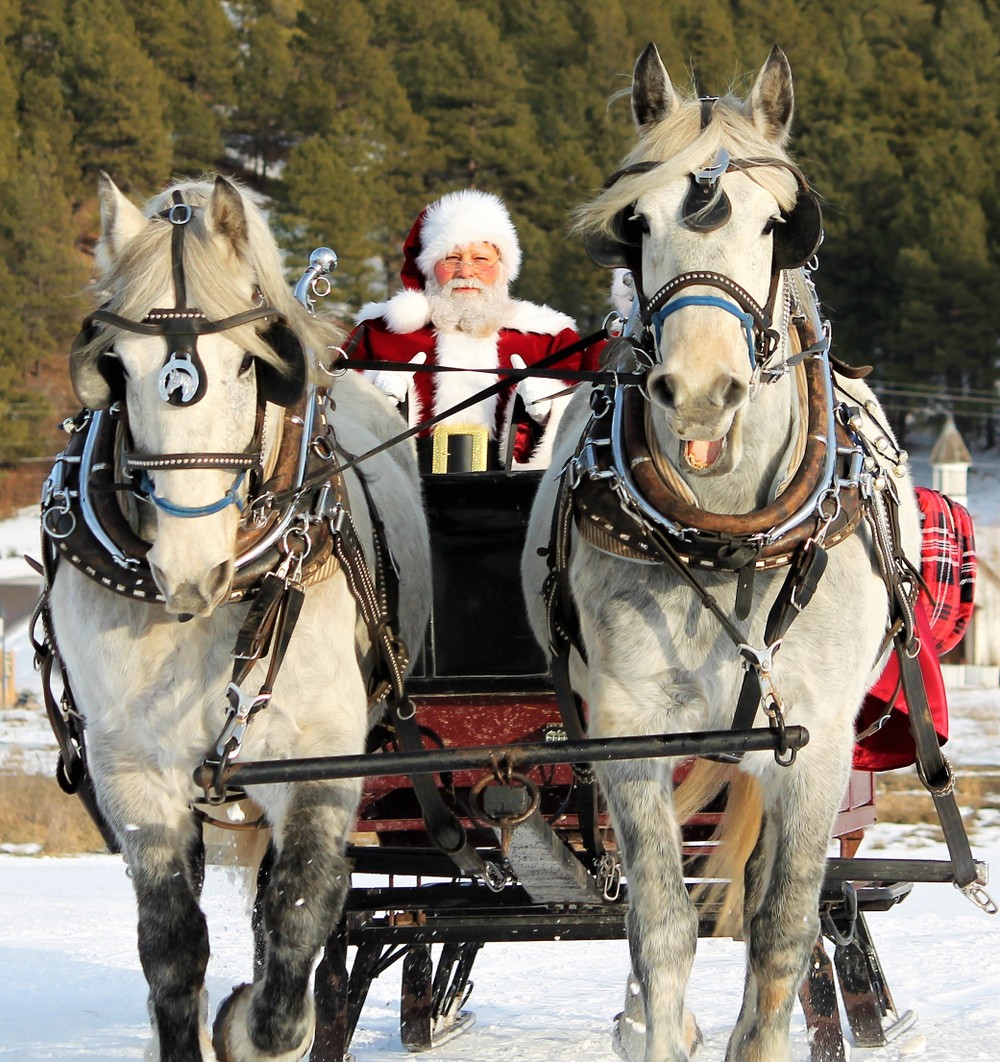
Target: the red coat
pixel 399 329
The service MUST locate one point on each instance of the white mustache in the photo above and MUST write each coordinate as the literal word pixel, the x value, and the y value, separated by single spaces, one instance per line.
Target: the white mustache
pixel 462 282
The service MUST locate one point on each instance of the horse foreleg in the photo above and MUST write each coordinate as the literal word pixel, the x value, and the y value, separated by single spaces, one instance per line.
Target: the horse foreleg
pixel 785 875
pixel 273 1020
pixel 662 922
pixel 173 939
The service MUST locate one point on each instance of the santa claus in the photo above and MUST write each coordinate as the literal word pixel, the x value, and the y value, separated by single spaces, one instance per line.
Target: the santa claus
pixel 455 311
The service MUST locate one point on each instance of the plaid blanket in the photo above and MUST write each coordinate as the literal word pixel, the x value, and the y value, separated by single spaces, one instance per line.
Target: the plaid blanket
pixel 948 565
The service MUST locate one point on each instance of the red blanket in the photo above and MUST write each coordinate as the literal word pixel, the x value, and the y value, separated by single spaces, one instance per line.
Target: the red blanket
pixel 891 745
pixel 948 566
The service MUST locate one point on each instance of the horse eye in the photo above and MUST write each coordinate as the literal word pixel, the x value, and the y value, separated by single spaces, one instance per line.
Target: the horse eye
pixel 770 223
pixel 245 364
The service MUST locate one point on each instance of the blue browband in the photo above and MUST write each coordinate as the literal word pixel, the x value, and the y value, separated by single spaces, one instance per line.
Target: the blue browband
pixel 745 319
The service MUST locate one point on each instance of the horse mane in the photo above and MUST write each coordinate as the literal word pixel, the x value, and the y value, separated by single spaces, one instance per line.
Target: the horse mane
pixel 681 146
pixel 130 284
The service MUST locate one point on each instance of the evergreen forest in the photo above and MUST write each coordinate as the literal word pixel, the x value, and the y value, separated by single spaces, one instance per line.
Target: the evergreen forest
pixel 350 115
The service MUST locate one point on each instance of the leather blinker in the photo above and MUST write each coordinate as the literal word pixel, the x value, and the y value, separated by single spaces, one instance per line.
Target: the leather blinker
pixel 799 237
pixel 283 386
pixel 97 382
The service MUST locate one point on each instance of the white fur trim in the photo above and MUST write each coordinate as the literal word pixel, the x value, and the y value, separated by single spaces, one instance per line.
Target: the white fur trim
pixel 465 217
pixel 467 352
pixel 535 317
pixel 405 312
pixel 541 456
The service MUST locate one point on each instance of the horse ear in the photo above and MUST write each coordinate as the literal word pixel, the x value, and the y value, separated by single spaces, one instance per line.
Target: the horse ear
pixel 121 221
pixel 283 387
pixel 653 95
pixel 772 99
pixel 227 215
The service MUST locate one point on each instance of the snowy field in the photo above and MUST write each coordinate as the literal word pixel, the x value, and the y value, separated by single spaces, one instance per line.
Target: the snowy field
pixel 73 988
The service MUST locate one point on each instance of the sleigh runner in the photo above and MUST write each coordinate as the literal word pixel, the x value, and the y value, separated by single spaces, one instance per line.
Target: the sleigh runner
pixel 525 800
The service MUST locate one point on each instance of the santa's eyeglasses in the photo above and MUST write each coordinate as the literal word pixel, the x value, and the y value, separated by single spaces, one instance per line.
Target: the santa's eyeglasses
pixel 478 263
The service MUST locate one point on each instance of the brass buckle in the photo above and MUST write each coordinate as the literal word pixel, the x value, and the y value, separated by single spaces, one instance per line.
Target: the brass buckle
pixel 442 434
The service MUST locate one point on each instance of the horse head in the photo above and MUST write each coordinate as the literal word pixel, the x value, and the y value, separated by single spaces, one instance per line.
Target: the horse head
pixel 197 342
pixel 707 211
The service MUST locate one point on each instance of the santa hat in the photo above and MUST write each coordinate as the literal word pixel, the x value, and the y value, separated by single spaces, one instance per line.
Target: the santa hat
pixel 455 220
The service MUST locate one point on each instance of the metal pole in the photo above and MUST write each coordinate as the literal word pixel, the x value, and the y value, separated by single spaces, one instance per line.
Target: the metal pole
pixel 3 656
pixel 488 757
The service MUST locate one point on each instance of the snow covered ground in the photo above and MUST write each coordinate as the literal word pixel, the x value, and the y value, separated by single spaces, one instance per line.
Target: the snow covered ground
pixel 73 988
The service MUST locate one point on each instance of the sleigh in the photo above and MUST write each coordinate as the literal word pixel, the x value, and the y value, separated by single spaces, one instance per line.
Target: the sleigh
pixel 480 778
pixel 506 775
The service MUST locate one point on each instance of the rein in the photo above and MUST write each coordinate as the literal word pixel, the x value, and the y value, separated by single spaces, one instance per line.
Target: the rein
pixel 507 376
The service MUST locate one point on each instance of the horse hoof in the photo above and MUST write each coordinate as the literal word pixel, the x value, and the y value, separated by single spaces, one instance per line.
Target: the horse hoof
pixel 628 1038
pixel 231 1038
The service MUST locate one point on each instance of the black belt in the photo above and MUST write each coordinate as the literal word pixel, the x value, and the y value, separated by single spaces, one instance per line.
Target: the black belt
pixel 457 450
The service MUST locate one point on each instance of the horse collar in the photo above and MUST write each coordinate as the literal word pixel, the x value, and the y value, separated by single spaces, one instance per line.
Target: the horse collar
pixel 85 524
pixel 625 505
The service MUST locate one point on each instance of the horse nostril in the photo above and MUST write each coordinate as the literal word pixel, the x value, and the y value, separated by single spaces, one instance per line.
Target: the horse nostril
pixel 660 386
pixel 735 392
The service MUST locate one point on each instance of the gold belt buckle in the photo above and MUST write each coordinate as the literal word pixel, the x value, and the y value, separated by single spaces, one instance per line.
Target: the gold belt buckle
pixel 478 433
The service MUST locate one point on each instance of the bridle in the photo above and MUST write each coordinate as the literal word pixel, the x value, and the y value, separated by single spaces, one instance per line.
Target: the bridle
pixel 706 207
pixel 757 321
pixel 182 379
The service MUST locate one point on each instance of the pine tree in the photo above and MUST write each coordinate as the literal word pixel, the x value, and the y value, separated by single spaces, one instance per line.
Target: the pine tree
pixel 194 45
pixel 115 93
pixel 258 129
pixel 355 180
pixel 574 56
pixel 10 72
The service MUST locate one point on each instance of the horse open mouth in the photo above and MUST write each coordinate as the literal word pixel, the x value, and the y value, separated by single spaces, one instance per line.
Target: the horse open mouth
pixel 704 457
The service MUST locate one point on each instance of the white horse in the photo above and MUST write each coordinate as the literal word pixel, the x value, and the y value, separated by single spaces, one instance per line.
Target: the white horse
pixel 714 221
pixel 199 344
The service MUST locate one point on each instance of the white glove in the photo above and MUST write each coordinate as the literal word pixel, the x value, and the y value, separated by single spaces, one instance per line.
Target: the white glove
pixel 392 383
pixel 535 392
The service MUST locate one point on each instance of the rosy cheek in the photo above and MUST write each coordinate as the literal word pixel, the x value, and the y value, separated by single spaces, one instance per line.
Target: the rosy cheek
pixel 442 274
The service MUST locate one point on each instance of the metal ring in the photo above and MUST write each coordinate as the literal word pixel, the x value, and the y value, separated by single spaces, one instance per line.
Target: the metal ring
pixel 476 803
pixel 338 370
pixel 51 529
pixel 302 533
pixel 180 214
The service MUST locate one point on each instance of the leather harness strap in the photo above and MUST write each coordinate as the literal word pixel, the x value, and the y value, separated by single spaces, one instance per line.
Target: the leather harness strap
pixel 378 603
pixel 903 586
pixel 564 637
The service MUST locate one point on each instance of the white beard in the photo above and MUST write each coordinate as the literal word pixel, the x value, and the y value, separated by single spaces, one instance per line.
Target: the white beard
pixel 478 315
